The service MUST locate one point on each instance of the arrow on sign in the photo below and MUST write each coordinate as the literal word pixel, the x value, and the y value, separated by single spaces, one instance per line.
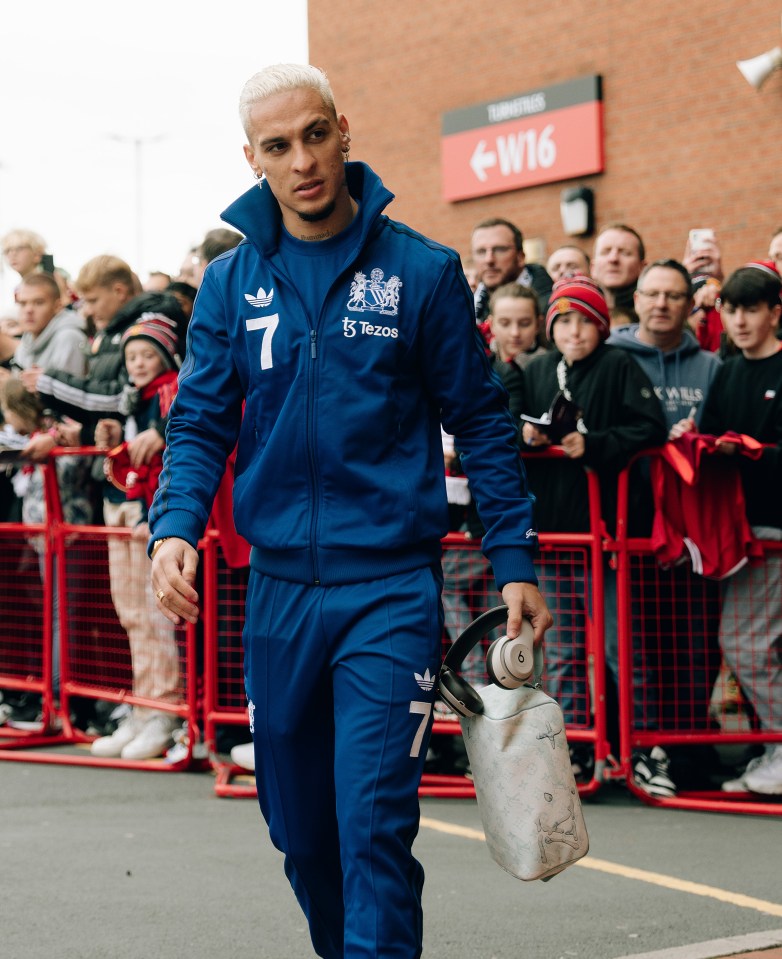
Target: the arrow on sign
pixel 481 159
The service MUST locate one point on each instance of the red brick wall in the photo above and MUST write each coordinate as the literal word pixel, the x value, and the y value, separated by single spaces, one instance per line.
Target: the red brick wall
pixel 688 142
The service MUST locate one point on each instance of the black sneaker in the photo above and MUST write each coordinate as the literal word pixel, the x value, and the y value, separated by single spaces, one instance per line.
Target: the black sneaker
pixel 650 771
pixel 22 711
pixel 582 762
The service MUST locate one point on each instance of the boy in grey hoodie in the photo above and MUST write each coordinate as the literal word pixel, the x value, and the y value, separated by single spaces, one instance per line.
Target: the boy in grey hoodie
pixel 53 337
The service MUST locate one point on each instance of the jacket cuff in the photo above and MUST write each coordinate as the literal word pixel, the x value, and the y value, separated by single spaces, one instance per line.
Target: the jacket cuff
pixel 512 565
pixel 179 523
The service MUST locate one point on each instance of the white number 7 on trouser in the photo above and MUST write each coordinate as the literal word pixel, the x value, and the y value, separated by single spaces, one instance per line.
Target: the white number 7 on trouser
pixel 424 710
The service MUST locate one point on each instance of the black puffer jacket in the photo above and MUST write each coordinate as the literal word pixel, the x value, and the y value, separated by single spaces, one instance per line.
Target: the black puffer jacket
pixel 622 415
pixel 92 397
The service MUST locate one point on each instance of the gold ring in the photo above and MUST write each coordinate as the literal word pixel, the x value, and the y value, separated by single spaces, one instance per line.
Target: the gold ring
pixel 160 594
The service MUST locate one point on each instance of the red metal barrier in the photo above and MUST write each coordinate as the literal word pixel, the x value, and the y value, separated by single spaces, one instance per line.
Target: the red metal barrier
pixel 94 652
pixel 674 685
pixel 571 578
pixel 571 574
pixel 25 621
pixel 225 701
pixel 668 648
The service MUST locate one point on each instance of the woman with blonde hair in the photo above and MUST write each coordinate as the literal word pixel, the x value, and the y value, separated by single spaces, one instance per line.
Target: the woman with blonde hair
pixel 23 251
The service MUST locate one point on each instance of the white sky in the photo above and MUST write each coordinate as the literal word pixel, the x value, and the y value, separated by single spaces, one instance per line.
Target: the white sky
pixel 74 75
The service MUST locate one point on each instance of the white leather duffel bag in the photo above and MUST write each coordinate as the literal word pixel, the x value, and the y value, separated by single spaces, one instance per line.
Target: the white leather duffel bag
pixel 515 739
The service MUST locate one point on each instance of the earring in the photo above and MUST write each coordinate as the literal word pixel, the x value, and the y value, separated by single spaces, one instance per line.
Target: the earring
pixel 346 147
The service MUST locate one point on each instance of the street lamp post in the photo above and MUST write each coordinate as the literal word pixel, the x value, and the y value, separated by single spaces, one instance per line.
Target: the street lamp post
pixel 138 144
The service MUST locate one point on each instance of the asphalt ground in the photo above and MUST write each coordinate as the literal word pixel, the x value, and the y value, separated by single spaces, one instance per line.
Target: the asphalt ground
pixel 113 864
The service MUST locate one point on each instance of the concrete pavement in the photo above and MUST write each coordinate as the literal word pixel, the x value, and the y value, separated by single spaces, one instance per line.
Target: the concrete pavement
pixel 114 864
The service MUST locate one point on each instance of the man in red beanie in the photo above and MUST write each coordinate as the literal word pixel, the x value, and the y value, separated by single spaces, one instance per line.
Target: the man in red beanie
pixel 615 414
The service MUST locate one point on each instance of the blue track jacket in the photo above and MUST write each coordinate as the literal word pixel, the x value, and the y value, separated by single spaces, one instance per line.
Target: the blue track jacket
pixel 339 472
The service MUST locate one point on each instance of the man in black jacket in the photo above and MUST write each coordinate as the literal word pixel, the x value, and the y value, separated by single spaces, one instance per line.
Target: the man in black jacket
pixel 108 302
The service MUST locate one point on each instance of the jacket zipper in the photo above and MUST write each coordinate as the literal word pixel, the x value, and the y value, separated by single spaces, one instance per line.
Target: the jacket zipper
pixel 311 455
pixel 313 466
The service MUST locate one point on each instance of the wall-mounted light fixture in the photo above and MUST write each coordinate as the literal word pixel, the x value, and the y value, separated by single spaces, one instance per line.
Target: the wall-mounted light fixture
pixel 577 209
pixel 758 69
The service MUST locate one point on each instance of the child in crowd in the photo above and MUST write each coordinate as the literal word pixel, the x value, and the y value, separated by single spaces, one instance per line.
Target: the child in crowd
pixel 620 413
pixel 516 326
pixel 25 420
pixel 614 414
pixel 150 358
pixel 746 398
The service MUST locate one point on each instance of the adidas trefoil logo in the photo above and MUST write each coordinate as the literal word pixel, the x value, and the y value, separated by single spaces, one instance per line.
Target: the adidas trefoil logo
pixel 261 298
pixel 426 682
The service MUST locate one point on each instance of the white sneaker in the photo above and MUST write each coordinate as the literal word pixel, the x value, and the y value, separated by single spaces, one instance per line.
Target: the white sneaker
pixel 152 739
pixel 180 750
pixel 244 756
pixel 110 747
pixel 766 776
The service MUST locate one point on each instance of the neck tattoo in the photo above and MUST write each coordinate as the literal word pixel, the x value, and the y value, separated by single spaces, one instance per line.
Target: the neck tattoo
pixel 318 236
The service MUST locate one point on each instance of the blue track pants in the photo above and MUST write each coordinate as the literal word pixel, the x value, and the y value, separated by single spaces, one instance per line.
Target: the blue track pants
pixel 340 681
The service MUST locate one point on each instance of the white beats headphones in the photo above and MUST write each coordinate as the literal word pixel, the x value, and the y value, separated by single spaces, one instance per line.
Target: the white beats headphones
pixel 509 662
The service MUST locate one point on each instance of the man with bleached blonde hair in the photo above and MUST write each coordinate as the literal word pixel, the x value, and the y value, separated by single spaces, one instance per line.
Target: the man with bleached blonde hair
pixel 328 302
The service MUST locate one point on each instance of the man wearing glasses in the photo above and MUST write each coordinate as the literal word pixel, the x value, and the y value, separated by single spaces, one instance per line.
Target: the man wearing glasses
pixel 688 656
pixel 663 346
pixel 498 252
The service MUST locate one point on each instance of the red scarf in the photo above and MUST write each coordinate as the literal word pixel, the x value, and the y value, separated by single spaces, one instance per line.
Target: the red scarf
pixel 165 386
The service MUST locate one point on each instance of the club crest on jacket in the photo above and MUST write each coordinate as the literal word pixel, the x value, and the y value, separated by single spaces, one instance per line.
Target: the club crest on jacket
pixel 374 294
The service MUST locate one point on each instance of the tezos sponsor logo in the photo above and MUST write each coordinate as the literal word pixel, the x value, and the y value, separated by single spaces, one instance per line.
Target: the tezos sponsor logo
pixel 351 327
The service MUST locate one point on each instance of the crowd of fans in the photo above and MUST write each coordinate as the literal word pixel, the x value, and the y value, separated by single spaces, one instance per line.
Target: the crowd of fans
pixel 94 363
pixel 602 353
pixel 626 355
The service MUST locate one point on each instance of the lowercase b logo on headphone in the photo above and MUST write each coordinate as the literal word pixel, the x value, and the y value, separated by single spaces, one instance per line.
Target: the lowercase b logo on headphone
pixel 509 662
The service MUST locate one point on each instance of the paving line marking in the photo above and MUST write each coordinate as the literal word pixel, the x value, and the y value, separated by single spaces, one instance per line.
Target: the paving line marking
pixel 630 872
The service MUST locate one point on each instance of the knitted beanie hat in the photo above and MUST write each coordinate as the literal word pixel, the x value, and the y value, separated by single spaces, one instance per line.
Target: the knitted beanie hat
pixel 768 267
pixel 578 292
pixel 161 332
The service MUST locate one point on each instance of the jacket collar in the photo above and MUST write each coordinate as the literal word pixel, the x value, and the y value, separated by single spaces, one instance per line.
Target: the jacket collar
pixel 257 215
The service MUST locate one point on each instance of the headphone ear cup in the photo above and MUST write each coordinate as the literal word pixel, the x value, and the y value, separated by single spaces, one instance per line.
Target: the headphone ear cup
pixel 458 694
pixel 509 661
pixel 491 653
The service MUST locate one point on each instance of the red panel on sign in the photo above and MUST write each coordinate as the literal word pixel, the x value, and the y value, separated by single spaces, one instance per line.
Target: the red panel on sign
pixel 555 145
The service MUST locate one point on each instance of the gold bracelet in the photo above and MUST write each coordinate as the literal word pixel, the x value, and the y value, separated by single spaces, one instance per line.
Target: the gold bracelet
pixel 158 544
